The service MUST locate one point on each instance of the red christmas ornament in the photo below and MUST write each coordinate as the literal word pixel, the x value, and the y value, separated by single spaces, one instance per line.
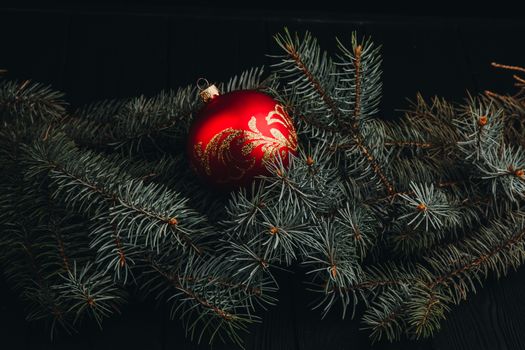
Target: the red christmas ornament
pixel 235 134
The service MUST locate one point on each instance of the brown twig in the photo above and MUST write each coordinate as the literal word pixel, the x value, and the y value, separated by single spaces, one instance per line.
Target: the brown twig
pixel 120 250
pixel 433 300
pixel 520 81
pixel 507 67
pixel 409 144
pixel 62 251
pixel 317 85
pixel 357 66
pixel 175 280
pixel 370 285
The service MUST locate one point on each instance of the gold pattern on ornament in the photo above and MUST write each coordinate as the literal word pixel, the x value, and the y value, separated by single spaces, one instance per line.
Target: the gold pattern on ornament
pixel 219 147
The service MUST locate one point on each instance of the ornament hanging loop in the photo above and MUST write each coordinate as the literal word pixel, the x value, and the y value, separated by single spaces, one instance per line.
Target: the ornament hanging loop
pixel 202 83
pixel 207 91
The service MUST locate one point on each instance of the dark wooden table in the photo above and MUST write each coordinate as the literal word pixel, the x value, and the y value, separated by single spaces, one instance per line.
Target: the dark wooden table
pixel 115 51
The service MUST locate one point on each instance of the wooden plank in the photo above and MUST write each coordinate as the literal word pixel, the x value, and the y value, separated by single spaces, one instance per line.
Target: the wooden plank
pixel 509 309
pixel 34 46
pixel 278 327
pixel 330 332
pixel 493 318
pixel 215 49
pixel 39 339
pixel 419 55
pixel 14 330
pixel 114 56
pixel 138 327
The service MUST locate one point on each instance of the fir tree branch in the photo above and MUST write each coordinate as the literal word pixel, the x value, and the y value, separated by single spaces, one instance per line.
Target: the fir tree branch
pixel 122 196
pixel 29 100
pixel 89 293
pixel 425 309
pixel 385 317
pixel 223 283
pixel 292 52
pixel 37 288
pixel 358 49
pixel 293 111
pixel 175 280
pixel 226 312
pixel 477 261
pixel 287 43
pixel 370 285
pixel 417 144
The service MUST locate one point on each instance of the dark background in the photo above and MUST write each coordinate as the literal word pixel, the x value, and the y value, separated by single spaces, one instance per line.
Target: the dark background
pixel 107 49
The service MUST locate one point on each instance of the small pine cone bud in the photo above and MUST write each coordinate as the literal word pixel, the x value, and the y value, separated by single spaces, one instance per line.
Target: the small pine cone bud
pixel 122 259
pixel 421 207
pixel 309 161
pixel 483 120
pixel 519 173
pixel 333 271
pixel 274 230
pixel 173 221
